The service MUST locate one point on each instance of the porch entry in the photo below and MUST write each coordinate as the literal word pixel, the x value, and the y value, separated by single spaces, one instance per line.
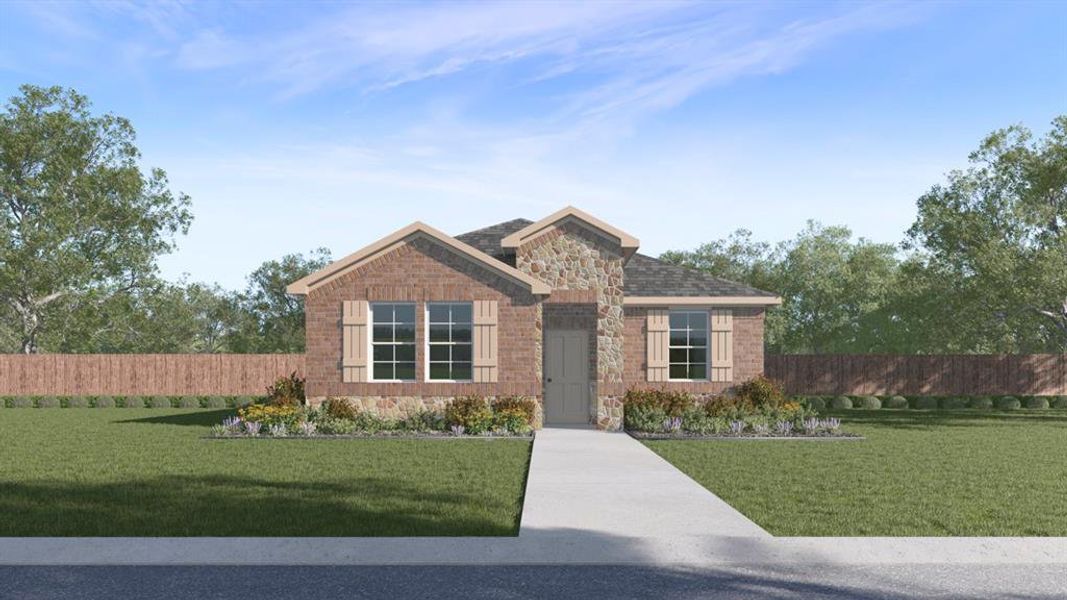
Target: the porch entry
pixel 566 386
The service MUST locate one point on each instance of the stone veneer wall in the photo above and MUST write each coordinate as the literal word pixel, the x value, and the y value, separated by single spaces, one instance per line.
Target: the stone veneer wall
pixel 420 271
pixel 569 256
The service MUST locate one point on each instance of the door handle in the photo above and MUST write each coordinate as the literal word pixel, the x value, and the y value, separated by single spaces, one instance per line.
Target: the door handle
pixel 549 380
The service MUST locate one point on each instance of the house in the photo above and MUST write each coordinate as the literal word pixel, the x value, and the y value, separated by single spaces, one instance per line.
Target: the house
pixel 563 310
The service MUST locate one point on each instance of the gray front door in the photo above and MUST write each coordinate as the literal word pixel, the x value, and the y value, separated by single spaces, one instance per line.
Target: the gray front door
pixel 566 377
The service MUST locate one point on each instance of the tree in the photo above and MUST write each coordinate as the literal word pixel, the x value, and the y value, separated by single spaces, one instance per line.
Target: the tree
pixel 81 221
pixel 991 247
pixel 275 320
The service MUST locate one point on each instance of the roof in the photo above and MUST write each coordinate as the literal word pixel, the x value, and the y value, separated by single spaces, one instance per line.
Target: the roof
pixel 399 237
pixel 643 276
pixel 628 242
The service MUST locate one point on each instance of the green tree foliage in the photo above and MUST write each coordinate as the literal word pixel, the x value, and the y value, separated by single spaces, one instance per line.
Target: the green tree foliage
pixel 274 320
pixel 81 220
pixel 989 271
pixel 984 266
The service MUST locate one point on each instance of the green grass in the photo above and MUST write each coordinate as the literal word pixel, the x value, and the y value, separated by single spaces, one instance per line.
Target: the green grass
pixel 148 472
pixel 962 473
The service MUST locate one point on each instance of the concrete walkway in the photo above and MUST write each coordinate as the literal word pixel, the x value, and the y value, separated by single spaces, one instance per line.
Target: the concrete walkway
pixel 590 482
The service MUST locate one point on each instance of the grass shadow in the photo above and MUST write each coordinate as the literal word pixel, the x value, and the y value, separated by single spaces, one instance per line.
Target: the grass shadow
pixel 197 418
pixel 915 419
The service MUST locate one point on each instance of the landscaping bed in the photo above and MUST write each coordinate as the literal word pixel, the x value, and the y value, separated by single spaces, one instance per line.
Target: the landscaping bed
pixel 944 473
pixel 149 472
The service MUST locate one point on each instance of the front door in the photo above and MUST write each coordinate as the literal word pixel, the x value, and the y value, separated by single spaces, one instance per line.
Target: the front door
pixel 566 377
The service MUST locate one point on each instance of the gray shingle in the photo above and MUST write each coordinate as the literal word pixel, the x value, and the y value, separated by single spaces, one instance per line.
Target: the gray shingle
pixel 642 275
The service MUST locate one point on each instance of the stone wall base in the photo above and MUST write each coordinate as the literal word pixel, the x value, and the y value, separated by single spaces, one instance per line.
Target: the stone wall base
pixel 395 407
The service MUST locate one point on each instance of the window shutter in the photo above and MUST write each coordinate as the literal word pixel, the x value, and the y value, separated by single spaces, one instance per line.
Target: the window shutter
pixel 658 341
pixel 354 341
pixel 485 341
pixel 722 344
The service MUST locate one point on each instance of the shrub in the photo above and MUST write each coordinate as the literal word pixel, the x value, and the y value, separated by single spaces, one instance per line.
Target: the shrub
pixel 330 426
pixel 133 402
pixel 869 403
pixel 340 408
pixel 104 402
pixel 1008 403
pixel 926 403
pixel 77 402
pixel 696 420
pixel 1059 402
pixel 271 414
pixel 954 403
pixel 215 402
pixel 672 403
pixel 22 402
pixel 189 402
pixel 841 402
pixel 472 412
pixel 1032 403
pixel 240 401
pixel 513 413
pixel 159 402
pixel 48 402
pixel 643 417
pixel 286 391
pixel 760 392
pixel 896 402
pixel 816 403
pixel 982 403
pixel 422 419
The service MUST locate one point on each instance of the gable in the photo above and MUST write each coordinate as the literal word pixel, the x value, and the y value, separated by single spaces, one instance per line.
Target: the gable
pixel 527 234
pixel 415 231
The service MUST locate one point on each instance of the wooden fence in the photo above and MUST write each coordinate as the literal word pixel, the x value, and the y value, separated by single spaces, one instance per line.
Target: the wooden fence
pixel 143 374
pixel 935 375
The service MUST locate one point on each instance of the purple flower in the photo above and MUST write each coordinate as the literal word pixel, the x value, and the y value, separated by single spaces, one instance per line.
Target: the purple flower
pixel 457 430
pixel 784 427
pixel 307 428
pixel 736 427
pixel 253 427
pixel 673 424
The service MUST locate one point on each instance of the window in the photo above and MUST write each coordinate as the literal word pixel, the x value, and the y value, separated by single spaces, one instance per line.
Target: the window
pixel 688 356
pixel 393 342
pixel 448 338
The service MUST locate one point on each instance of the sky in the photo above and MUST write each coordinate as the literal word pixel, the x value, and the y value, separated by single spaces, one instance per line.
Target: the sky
pixel 294 126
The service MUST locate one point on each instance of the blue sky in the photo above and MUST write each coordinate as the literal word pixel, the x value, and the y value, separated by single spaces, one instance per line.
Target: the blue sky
pixel 299 125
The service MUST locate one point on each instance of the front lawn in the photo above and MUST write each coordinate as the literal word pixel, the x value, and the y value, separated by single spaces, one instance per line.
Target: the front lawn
pixel 961 473
pixel 148 472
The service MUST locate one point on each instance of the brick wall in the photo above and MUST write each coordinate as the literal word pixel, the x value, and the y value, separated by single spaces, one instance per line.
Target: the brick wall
pixel 421 271
pixel 748 352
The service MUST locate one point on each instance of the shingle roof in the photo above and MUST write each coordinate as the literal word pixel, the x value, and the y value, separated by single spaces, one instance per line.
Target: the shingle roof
pixel 642 275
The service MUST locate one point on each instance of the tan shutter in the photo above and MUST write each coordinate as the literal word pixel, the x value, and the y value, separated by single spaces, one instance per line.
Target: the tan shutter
pixel 354 341
pixel 485 343
pixel 659 325
pixel 722 344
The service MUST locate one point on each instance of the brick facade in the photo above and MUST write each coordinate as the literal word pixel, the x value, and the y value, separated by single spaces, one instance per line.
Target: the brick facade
pixel 421 271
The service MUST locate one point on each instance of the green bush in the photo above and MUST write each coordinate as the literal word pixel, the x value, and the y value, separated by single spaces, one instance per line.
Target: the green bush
pixel 77 402
pixel 954 403
pixel 470 412
pixel 48 402
pixel 643 417
pixel 160 402
pixel 216 402
pixel 926 403
pixel 329 426
pixel 896 402
pixel 189 402
pixel 133 402
pixel 421 420
pixel 759 392
pixel 286 391
pixel 841 402
pixel 982 403
pixel 1037 403
pixel 1008 403
pixel 22 402
pixel 513 413
pixel 240 401
pixel 673 403
pixel 816 403
pixel 103 402
pixel 1059 402
pixel 869 403
pixel 699 421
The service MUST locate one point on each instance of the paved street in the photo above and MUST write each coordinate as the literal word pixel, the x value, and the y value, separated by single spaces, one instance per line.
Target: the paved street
pixel 519 582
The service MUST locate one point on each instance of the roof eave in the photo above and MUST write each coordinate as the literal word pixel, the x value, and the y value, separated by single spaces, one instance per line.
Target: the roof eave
pixel 701 301
pixel 627 241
